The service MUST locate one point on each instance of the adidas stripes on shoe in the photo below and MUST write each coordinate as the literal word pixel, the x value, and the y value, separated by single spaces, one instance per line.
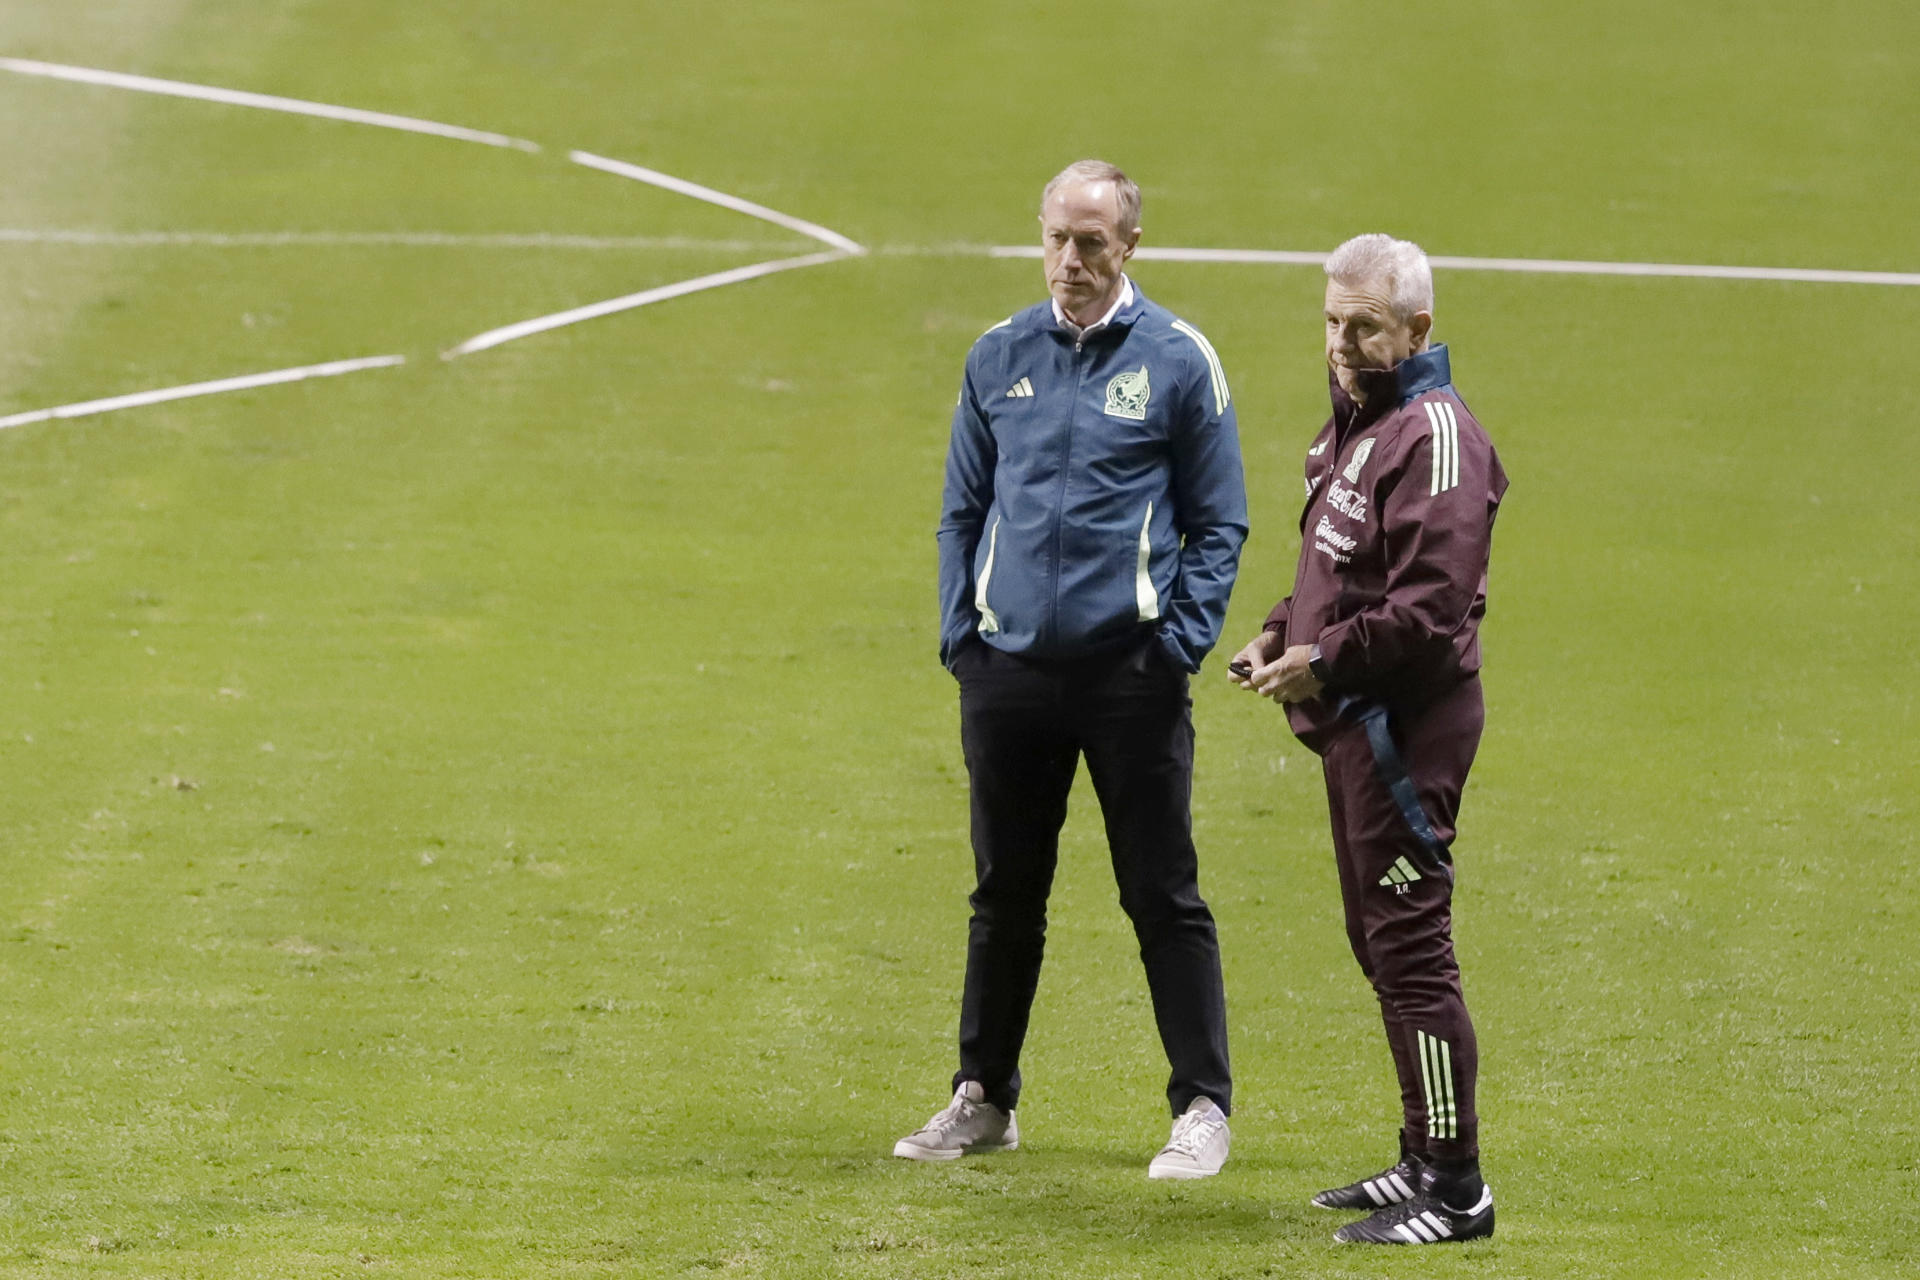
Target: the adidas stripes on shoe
pixel 1392 1186
pixel 1396 1185
pixel 1425 1219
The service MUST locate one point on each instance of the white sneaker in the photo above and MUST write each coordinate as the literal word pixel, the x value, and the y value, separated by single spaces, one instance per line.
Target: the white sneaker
pixel 1198 1145
pixel 970 1125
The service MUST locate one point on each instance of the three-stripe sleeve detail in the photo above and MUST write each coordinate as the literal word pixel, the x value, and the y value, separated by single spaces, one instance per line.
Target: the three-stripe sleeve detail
pixel 1453 445
pixel 1436 1078
pixel 1144 595
pixel 1445 429
pixel 1222 397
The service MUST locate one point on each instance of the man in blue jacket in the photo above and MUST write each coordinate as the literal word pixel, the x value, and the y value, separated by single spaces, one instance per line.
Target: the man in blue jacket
pixel 1092 523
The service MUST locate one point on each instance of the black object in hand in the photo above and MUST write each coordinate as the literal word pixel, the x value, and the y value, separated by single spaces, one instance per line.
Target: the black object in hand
pixel 1240 668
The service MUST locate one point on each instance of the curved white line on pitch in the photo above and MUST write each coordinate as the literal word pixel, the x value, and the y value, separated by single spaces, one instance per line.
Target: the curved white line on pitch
pixel 721 198
pixel 594 310
pixel 411 124
pixel 841 245
pixel 87 408
pixel 262 101
pixel 1541 266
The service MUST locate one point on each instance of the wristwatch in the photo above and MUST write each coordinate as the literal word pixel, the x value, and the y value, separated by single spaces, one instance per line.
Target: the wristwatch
pixel 1318 665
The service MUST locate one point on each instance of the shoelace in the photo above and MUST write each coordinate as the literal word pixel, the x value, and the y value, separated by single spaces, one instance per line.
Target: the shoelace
pixel 957 1111
pixel 1194 1131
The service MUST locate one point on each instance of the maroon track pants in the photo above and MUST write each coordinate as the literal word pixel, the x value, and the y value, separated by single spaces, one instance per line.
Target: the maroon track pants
pixel 1398 898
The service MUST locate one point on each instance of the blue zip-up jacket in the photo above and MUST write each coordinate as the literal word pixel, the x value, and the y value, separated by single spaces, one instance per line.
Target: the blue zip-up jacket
pixel 1093 487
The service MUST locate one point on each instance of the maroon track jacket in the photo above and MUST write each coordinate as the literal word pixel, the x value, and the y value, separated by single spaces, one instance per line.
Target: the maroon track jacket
pixel 1394 543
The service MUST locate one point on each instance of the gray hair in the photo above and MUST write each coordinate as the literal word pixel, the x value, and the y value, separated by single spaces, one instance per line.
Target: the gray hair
pixel 1400 264
pixel 1125 189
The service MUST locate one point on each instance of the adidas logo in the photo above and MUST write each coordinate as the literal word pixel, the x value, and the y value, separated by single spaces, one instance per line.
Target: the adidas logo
pixel 1400 874
pixel 1020 390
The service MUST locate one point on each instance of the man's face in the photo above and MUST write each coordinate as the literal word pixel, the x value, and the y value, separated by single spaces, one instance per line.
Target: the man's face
pixel 1364 337
pixel 1086 249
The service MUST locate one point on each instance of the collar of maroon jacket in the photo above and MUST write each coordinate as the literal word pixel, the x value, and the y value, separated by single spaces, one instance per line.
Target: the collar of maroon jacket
pixel 1418 374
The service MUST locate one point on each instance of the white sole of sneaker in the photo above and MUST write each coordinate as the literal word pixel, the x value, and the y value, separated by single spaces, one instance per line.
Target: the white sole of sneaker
pixel 908 1151
pixel 1178 1174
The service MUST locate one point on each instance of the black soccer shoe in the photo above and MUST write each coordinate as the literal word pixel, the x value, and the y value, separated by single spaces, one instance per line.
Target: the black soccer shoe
pixel 1422 1220
pixel 1393 1186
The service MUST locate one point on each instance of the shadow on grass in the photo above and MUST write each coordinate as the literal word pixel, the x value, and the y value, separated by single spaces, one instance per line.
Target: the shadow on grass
pixel 1065 1199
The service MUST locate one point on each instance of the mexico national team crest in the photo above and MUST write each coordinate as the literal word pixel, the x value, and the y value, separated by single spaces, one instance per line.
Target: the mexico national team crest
pixel 1127 394
pixel 1361 453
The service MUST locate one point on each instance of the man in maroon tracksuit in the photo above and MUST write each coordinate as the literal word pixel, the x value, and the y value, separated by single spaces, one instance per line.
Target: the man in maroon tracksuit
pixel 1376 655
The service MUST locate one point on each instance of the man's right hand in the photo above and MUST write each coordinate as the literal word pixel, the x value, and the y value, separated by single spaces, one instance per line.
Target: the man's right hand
pixel 1261 650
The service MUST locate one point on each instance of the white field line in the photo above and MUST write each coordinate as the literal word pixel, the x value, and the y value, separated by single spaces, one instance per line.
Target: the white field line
pixel 721 198
pixel 380 239
pixel 593 311
pixel 693 244
pixel 263 101
pixel 1544 266
pixel 332 369
pixel 1802 275
pixel 297 106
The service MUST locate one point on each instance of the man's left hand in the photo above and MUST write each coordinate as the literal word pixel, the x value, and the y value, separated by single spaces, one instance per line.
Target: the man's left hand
pixel 1289 679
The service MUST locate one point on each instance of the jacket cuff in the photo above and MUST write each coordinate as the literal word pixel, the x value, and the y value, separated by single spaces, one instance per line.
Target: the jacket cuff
pixel 1330 658
pixel 1175 653
pixel 950 648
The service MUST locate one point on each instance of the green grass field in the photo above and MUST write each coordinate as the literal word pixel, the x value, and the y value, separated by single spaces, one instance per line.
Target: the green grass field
pixel 503 817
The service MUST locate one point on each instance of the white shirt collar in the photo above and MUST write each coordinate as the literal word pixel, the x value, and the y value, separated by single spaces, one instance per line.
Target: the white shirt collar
pixel 1125 299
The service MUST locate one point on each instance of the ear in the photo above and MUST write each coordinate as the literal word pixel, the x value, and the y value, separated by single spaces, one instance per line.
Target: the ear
pixel 1419 327
pixel 1133 242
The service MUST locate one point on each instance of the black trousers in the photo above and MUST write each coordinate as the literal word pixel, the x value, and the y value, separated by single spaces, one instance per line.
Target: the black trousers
pixel 1024 725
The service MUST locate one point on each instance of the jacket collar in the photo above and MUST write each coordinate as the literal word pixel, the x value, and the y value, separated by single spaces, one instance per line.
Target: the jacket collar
pixel 1126 309
pixel 1418 374
pixel 1423 372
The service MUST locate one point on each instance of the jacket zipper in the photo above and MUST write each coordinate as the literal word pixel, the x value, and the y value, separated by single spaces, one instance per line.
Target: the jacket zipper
pixel 1060 506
